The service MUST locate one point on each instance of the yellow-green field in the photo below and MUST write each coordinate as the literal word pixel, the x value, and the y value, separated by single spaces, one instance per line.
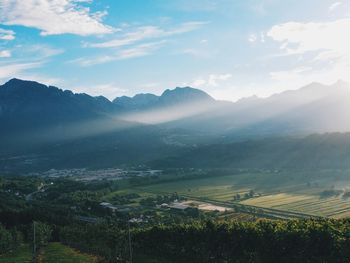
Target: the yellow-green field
pixel 215 188
pixel 336 207
pixel 291 197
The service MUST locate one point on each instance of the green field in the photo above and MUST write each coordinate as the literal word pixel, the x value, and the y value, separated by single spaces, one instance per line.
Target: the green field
pixel 53 253
pixel 290 196
pixel 21 255
pixel 216 188
pixel 58 253
pixel 335 207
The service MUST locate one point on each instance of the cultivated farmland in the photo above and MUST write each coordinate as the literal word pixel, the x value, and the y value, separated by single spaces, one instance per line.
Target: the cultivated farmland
pixel 293 197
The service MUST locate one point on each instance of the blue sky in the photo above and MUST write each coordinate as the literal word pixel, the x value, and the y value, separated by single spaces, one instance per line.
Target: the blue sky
pixel 229 48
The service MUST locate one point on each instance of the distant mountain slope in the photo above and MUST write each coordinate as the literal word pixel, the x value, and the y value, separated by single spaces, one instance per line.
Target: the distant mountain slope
pixel 328 151
pixel 62 129
pixel 138 102
pixel 129 146
pixel 177 96
pixel 314 108
pixel 30 105
pixel 183 95
pixel 70 129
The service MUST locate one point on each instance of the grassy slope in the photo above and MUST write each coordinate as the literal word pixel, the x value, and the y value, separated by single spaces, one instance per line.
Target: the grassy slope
pixel 53 253
pixel 22 255
pixel 58 253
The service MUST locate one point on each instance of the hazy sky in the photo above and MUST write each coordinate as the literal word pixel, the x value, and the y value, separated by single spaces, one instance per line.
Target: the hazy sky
pixel 229 48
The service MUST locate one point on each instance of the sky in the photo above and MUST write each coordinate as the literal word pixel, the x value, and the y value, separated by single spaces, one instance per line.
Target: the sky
pixel 228 48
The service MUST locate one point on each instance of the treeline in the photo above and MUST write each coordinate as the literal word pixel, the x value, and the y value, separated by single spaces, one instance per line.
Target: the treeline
pixel 12 238
pixel 107 241
pixel 326 151
pixel 263 241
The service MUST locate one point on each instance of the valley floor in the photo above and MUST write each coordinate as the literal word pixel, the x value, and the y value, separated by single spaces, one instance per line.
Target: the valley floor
pixel 314 197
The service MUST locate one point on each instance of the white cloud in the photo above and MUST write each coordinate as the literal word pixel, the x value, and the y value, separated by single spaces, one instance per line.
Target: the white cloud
pixel 43 51
pixel 290 75
pixel 40 78
pixel 149 85
pixel 12 70
pixel 334 6
pixel 260 8
pixel 199 82
pixel 212 80
pixel 262 37
pixel 324 46
pixel 128 44
pixel 109 90
pixel 252 38
pixel 199 52
pixel 223 87
pixel 140 50
pixel 298 38
pixel 133 52
pixel 5 53
pixel 147 32
pixel 53 17
pixel 7 34
pixel 192 6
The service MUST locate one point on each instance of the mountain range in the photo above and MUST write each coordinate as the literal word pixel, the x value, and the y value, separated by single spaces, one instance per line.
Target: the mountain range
pixel 47 121
pixel 314 108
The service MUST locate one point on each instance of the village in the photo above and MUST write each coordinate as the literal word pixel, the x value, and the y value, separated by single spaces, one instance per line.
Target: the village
pixel 110 174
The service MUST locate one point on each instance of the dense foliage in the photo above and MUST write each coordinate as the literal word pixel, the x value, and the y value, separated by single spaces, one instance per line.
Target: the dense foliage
pixel 9 239
pixel 70 212
pixel 42 234
pixel 107 241
pixel 262 241
pixel 326 151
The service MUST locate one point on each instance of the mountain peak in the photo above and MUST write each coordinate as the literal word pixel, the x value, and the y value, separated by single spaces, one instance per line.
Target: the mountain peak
pixel 14 82
pixel 184 94
pixel 169 97
pixel 139 101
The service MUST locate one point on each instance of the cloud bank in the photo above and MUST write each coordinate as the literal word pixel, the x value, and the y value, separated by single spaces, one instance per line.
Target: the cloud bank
pixel 53 17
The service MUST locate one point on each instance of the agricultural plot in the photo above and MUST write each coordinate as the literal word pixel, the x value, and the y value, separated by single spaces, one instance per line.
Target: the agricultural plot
pixel 336 207
pixel 213 188
pixel 133 201
pixel 292 197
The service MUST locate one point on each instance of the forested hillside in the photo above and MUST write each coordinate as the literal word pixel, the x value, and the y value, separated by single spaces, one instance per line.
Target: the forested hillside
pixel 325 151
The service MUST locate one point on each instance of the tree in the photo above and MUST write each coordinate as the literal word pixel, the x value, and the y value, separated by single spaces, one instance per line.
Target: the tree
pixel 42 234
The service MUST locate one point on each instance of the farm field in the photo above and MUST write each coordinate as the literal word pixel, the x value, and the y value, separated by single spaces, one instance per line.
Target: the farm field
pixel 221 188
pixel 335 207
pixel 293 197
